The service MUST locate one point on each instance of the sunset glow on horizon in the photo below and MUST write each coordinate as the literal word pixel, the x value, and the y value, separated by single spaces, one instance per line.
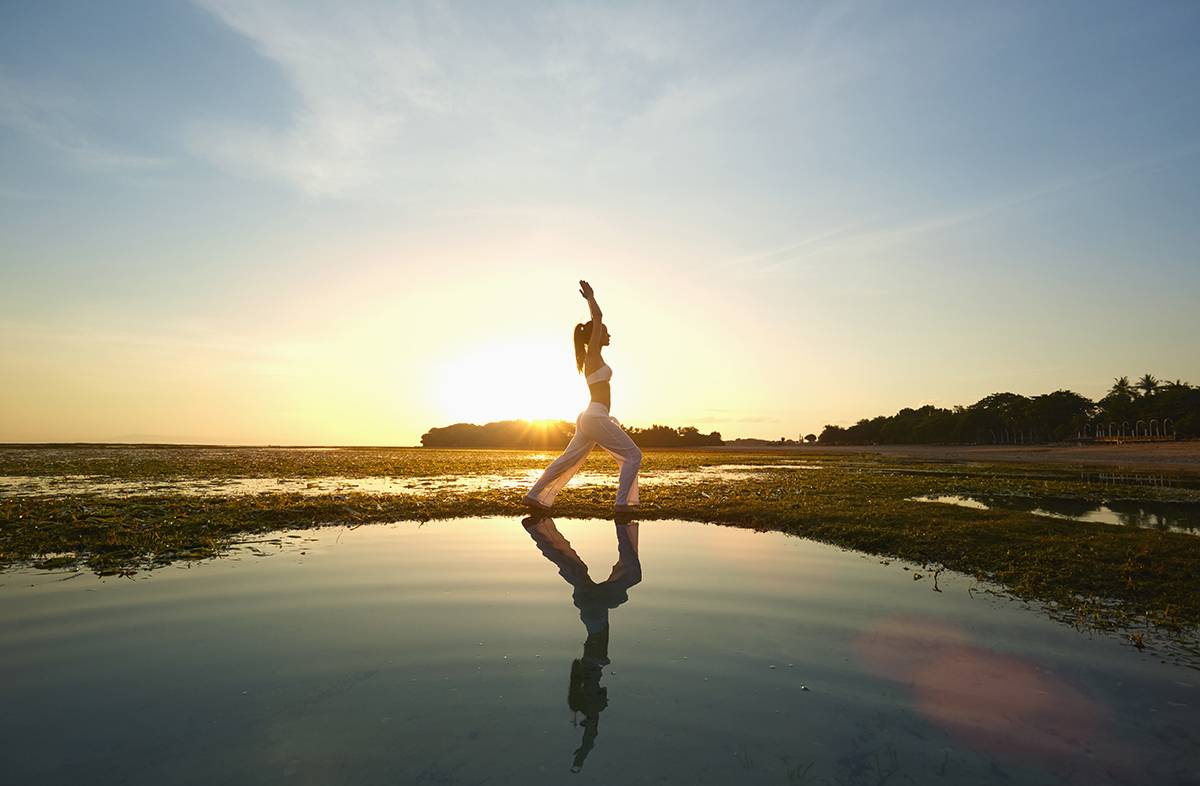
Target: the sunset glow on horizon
pixel 295 223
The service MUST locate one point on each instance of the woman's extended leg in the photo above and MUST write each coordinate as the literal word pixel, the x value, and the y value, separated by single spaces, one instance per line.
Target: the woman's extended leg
pixel 610 436
pixel 561 469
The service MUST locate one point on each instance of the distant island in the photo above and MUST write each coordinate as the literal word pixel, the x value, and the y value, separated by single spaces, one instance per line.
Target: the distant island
pixel 1145 410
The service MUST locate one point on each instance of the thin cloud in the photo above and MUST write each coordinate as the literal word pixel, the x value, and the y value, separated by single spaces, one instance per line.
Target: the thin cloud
pixel 23 196
pixel 792 251
pixel 387 92
pixel 52 118
pixel 842 242
pixel 255 353
pixel 358 81
pixel 425 98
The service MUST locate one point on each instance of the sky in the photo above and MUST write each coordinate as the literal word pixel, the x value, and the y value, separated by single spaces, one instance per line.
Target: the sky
pixel 234 221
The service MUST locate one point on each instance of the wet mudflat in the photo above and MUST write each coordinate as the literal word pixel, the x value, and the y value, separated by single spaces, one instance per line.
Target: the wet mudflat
pixel 1043 533
pixel 89 485
pixel 491 651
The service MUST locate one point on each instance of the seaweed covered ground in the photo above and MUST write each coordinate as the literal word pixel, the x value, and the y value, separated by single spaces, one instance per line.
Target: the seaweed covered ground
pixel 117 510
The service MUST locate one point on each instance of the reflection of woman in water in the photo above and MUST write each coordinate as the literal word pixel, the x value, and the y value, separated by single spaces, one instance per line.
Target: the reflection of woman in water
pixel 594 425
pixel 594 601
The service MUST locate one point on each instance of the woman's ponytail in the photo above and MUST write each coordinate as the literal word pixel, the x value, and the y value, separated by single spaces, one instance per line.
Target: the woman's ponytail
pixel 583 331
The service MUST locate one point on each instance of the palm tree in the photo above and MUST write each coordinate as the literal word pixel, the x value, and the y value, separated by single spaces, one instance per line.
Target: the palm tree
pixel 1121 387
pixel 1147 384
pixel 1178 384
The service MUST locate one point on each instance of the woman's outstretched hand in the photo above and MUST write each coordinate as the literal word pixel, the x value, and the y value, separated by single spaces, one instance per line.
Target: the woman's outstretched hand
pixel 585 289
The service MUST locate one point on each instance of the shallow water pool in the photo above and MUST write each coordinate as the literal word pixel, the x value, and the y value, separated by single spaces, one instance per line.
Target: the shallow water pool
pixel 1145 514
pixel 492 651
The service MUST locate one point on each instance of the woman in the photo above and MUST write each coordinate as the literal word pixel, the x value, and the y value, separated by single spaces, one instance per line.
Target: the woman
pixel 594 425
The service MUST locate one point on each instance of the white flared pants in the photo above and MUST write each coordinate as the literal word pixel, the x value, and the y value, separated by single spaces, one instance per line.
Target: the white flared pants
pixel 593 427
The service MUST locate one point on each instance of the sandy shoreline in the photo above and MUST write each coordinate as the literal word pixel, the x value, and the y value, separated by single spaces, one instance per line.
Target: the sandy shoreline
pixel 1181 457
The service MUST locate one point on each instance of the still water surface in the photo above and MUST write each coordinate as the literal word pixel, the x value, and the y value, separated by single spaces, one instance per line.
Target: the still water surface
pixel 488 651
pixel 1145 514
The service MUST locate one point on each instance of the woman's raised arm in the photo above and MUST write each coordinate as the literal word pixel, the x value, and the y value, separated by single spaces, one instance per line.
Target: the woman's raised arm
pixel 585 289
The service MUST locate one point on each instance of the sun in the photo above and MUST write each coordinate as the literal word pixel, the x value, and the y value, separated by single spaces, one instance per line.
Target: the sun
pixel 509 381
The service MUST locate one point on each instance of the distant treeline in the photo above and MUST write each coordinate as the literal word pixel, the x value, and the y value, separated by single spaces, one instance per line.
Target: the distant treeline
pixel 1052 417
pixel 667 437
pixel 544 435
pixel 554 435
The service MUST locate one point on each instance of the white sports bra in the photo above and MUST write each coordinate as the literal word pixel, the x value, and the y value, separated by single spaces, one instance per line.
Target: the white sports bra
pixel 602 374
